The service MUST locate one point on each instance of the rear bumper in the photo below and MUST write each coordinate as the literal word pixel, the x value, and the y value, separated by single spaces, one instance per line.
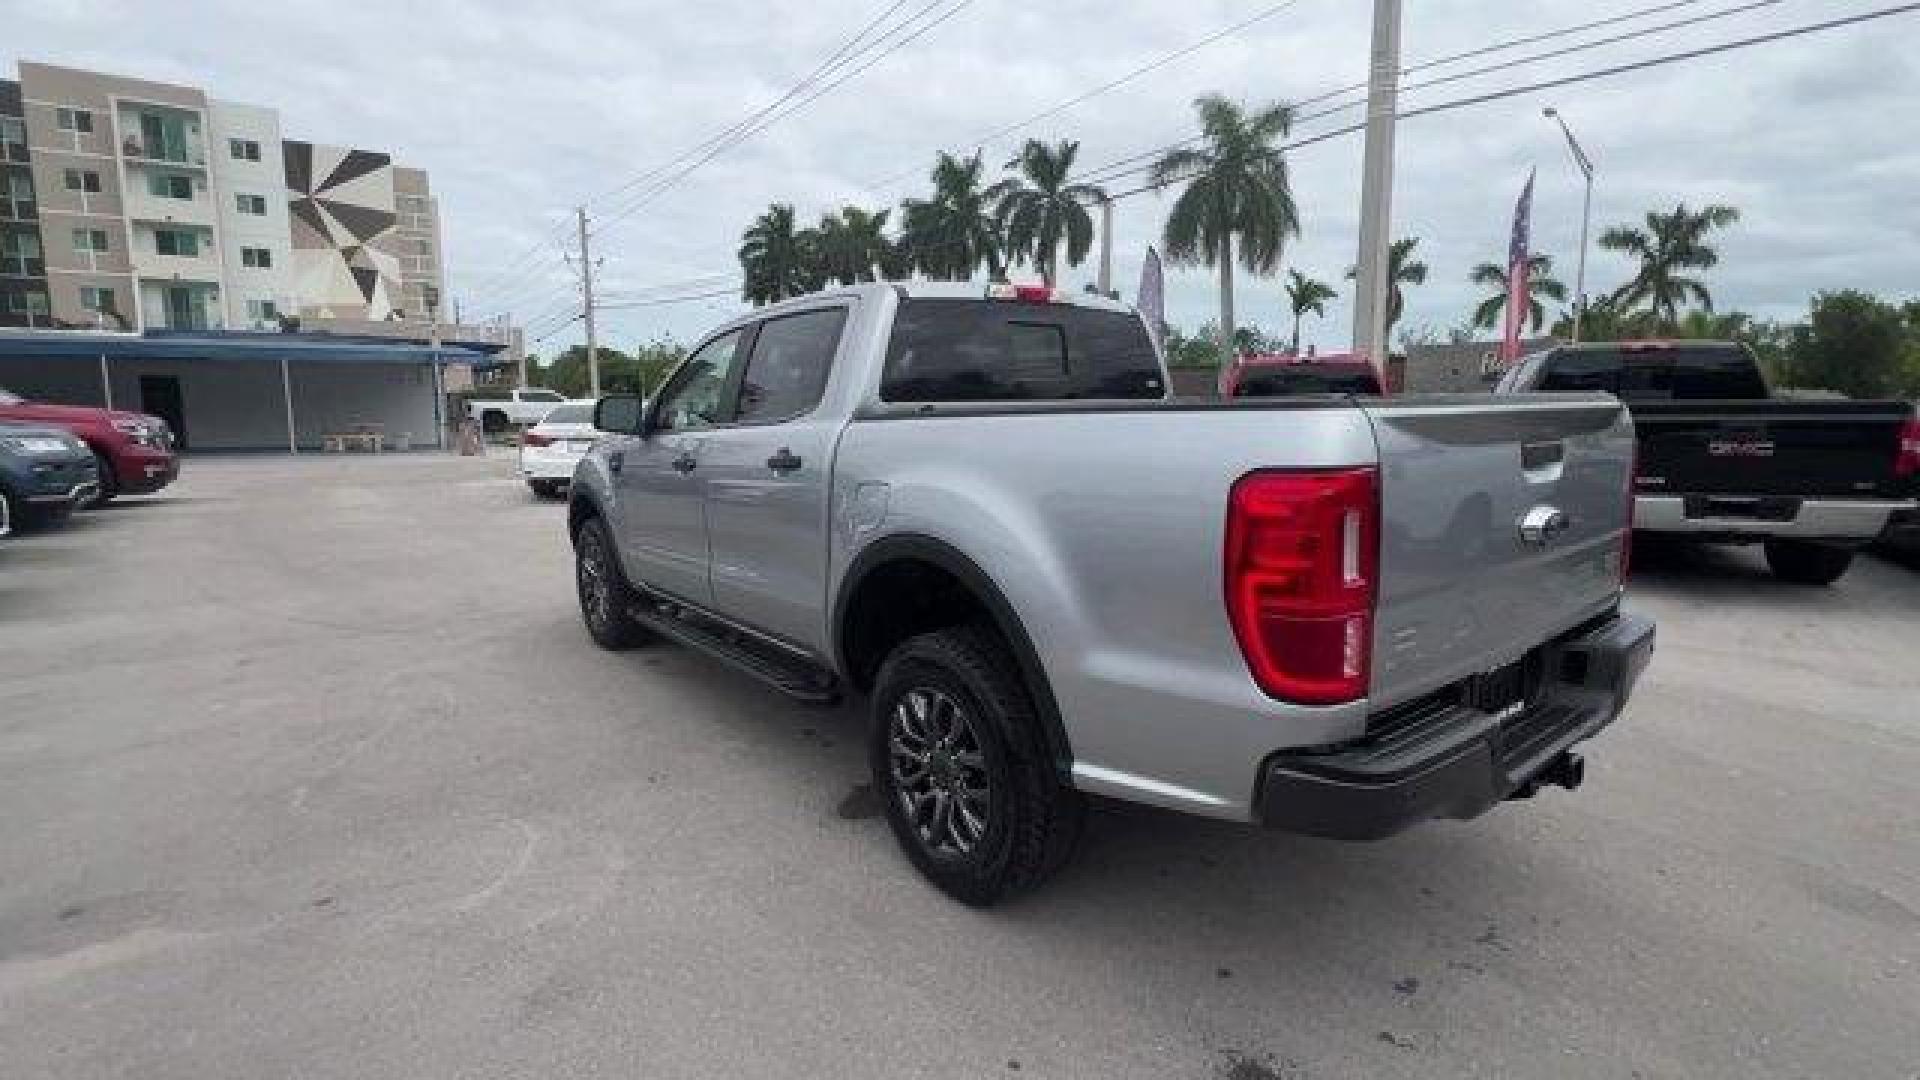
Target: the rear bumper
pixel 1445 759
pixel 1856 520
pixel 544 464
pixel 1903 530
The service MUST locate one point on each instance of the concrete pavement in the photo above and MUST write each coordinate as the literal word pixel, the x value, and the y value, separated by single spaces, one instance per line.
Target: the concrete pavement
pixel 307 769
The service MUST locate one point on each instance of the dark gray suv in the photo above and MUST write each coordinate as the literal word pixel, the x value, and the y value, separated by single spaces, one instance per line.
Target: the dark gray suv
pixel 45 474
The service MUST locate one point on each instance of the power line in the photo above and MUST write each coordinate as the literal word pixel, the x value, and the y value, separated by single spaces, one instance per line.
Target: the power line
pixel 1110 170
pixel 731 290
pixel 492 284
pixel 1100 171
pixel 643 291
pixel 980 142
pixel 1496 95
pixel 875 51
pixel 571 316
pixel 1588 76
pixel 833 60
pixel 1568 50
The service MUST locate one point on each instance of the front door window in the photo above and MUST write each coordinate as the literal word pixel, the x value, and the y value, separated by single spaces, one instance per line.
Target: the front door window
pixel 697 398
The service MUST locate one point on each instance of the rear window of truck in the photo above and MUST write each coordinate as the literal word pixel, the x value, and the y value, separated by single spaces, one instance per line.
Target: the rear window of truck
pixel 1277 381
pixel 1677 373
pixel 946 349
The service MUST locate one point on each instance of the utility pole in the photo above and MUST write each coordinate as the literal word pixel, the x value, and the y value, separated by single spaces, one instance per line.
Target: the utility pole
pixel 1106 247
pixel 1370 286
pixel 586 300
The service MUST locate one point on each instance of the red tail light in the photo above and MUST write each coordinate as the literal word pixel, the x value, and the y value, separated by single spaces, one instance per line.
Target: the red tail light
pixel 534 438
pixel 1907 461
pixel 1302 563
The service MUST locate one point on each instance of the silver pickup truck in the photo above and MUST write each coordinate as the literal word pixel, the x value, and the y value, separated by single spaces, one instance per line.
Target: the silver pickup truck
pixel 978 507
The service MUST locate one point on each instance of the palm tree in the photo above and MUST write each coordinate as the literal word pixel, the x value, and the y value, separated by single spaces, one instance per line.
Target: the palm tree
pixel 1306 294
pixel 1236 184
pixel 947 236
pixel 1670 243
pixel 1540 282
pixel 1402 270
pixel 774 259
pixel 853 245
pixel 1038 209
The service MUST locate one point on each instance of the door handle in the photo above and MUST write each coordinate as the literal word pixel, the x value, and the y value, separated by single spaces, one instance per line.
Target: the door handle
pixel 684 463
pixel 784 461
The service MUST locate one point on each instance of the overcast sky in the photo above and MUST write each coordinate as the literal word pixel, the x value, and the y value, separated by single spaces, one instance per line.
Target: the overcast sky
pixel 521 110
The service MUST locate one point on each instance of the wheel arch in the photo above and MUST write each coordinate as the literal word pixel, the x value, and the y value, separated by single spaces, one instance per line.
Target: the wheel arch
pixel 857 651
pixel 581 505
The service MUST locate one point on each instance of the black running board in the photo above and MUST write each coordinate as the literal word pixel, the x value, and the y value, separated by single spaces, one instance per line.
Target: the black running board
pixel 792 676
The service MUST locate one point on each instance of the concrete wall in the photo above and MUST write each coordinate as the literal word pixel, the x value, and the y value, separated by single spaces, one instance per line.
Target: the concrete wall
pixel 238 404
pixel 329 398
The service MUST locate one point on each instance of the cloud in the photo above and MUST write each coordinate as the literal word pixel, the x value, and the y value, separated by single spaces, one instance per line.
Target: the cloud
pixel 522 111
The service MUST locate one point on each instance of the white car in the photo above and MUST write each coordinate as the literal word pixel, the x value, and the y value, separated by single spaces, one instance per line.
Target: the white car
pixel 551 448
pixel 499 409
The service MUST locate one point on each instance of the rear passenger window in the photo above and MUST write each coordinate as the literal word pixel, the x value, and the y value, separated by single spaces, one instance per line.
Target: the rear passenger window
pixel 787 372
pixel 1716 373
pixel 949 349
pixel 1569 372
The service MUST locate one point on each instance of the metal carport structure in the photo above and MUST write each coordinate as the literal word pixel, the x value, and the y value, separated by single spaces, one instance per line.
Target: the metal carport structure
pixel 232 371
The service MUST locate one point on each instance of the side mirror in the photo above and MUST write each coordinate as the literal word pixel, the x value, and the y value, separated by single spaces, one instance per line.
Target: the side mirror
pixel 619 413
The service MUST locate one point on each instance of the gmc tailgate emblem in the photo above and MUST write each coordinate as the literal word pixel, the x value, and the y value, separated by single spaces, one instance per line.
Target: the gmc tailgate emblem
pixel 1740 447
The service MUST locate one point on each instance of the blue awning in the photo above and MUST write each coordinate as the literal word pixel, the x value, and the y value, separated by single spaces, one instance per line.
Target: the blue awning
pixel 239 345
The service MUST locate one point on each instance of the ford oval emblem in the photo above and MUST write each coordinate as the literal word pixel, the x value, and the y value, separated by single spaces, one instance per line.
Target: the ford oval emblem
pixel 1541 525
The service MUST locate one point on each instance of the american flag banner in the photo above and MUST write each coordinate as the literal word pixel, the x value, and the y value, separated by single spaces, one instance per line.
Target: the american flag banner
pixel 1517 257
pixel 1151 298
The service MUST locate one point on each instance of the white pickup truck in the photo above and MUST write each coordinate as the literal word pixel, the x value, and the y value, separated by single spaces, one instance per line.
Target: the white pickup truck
pixel 522 406
pixel 979 509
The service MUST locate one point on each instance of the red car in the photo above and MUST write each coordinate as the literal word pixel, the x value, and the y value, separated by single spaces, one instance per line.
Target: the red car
pixel 135 451
pixel 1289 374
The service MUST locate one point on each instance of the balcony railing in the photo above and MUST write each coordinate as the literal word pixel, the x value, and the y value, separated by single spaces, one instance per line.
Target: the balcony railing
pixel 134 148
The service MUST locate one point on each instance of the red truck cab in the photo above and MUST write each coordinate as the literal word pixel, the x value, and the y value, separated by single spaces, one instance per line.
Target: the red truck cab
pixel 1290 374
pixel 135 451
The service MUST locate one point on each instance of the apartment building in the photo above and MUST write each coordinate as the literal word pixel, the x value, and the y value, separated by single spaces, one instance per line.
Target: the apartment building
pixel 23 265
pixel 136 205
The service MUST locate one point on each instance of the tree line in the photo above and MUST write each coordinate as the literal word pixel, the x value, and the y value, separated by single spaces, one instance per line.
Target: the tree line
pixel 1234 211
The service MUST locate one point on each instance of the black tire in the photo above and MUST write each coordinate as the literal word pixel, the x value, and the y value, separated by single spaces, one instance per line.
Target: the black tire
pixel 109 482
pixel 493 421
pixel 605 596
pixel 991 743
pixel 545 489
pixel 1806 563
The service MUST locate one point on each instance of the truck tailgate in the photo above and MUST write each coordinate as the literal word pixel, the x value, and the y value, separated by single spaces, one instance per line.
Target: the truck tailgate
pixel 1770 449
pixel 1502 524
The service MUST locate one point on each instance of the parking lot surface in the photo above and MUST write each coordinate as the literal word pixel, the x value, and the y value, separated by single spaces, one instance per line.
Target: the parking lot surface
pixel 308 769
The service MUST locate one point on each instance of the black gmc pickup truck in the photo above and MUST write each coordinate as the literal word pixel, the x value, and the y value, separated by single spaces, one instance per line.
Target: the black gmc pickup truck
pixel 1724 461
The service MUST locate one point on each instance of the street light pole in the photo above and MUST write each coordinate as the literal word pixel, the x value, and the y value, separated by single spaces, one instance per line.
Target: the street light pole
pixel 1586 219
pixel 1376 187
pixel 1106 246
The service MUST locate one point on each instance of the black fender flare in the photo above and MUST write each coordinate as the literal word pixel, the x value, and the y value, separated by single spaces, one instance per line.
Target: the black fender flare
pixel 914 546
pixel 581 505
